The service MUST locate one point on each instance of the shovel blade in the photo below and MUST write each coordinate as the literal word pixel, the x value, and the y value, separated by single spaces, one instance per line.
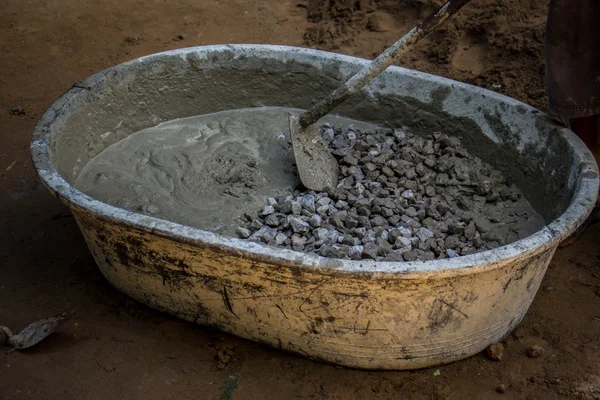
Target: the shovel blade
pixel 317 167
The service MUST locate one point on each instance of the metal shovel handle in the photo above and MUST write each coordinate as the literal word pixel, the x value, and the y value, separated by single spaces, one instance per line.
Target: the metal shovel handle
pixel 384 60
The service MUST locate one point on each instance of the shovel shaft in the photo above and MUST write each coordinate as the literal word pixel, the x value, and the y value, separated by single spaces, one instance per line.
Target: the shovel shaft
pixel 384 60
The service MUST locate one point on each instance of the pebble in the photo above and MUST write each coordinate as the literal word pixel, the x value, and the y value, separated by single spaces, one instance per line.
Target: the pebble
pixel 307 202
pixel 323 201
pixel 243 233
pixel 371 250
pixel 452 253
pixel 535 351
pixel 298 242
pixel 410 255
pixel 296 207
pixel 335 251
pixel 423 234
pixel 298 226
pixel 402 242
pixel 268 210
pixel 495 351
pixel 315 221
pixel 280 238
pixel 356 252
pixel 17 111
pixel 272 220
pixel 264 234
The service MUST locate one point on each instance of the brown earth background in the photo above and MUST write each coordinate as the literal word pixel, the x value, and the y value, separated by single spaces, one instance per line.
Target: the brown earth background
pixel 116 348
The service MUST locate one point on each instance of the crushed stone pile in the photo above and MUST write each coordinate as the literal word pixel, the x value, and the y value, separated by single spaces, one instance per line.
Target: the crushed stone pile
pixel 400 197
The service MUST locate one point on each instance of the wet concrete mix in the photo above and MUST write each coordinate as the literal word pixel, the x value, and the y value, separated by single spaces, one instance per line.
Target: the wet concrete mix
pixel 400 197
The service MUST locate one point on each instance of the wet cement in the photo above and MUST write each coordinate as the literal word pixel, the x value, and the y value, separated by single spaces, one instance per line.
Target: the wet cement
pixel 206 171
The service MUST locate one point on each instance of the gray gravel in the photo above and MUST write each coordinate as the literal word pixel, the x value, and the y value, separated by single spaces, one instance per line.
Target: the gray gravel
pixel 400 197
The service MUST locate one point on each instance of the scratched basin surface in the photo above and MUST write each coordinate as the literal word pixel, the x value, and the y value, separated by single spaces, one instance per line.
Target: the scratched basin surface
pixel 364 314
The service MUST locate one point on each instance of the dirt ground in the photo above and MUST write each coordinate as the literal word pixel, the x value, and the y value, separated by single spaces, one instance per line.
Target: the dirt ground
pixel 114 347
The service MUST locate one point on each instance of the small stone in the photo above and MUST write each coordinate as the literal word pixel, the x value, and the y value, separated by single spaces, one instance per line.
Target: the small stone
pixel 256 224
pixel 371 250
pixel 351 222
pixel 378 220
pixel 386 212
pixel 424 255
pixel 393 235
pixel 17 111
pixel 350 240
pixel 286 208
pixel 356 252
pixel 408 194
pixel 328 134
pixel 535 351
pixel 323 201
pixel 364 221
pixel 394 219
pixel 315 221
pixel 384 247
pixel 243 233
pixel 337 219
pixel 323 210
pixel 272 220
pixel 363 210
pixel 452 242
pixel 268 210
pixel 341 205
pixel 321 233
pixel 298 225
pixel 350 160
pixel 387 172
pixel 501 388
pixel 470 231
pixel 296 208
pixel 280 238
pixel 334 251
pixel 411 212
pixel 359 232
pixel 265 234
pixel 298 242
pixel 465 251
pixel 421 170
pixel 402 242
pixel 452 253
pixel 495 351
pixel 423 234
pixel 332 236
pixel 272 202
pixel 307 202
pixel 182 36
pixel 410 255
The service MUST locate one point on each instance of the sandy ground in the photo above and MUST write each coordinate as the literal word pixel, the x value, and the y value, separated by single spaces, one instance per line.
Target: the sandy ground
pixel 114 347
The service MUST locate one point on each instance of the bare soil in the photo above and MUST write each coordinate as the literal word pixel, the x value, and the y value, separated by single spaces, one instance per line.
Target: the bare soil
pixel 115 348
